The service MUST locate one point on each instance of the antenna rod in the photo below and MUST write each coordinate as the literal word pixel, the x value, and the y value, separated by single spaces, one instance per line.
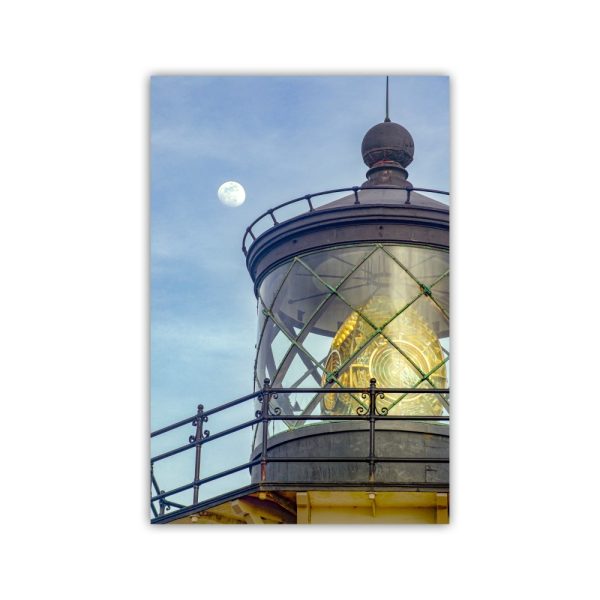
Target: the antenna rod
pixel 387 100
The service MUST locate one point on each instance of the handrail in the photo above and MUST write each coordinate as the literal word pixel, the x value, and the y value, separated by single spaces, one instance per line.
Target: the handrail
pixel 308 198
pixel 207 414
pixel 267 414
pixel 358 390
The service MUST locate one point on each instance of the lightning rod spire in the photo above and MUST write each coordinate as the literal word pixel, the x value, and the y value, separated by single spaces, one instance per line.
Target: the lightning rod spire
pixel 387 99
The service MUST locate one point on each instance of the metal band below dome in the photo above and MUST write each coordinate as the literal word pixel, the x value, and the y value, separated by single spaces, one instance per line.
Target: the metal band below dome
pixel 343 222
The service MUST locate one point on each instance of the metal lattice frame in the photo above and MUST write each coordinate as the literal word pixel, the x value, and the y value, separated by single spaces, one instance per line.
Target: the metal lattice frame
pixel 313 364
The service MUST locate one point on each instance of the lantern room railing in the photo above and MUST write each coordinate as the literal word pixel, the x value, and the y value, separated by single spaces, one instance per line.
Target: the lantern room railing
pixel 270 215
pixel 267 413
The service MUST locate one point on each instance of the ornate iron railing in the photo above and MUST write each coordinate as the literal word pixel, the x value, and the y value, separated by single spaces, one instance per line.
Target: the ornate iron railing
pixel 270 214
pixel 263 417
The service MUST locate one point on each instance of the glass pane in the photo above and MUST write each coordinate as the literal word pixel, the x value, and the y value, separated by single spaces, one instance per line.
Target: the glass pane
pixel 298 299
pixel 280 347
pixel 261 323
pixel 379 288
pixel 317 345
pixel 273 348
pixel 441 293
pixel 271 284
pixel 421 325
pixel 425 264
pixel 332 266
pixel 423 404
pixel 330 318
pixel 299 371
pixel 346 331
pixel 265 364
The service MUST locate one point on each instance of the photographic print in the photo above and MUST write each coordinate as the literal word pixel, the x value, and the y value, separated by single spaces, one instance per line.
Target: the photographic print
pixel 300 318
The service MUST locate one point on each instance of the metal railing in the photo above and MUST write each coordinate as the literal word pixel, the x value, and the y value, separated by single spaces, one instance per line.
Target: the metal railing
pixel 267 414
pixel 308 199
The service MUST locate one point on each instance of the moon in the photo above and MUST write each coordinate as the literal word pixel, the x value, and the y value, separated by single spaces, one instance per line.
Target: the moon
pixel 231 193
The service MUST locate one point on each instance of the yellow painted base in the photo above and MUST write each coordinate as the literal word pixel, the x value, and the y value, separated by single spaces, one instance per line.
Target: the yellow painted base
pixel 328 507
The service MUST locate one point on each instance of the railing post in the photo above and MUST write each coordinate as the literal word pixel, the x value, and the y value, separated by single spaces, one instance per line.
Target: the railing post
pixel 265 398
pixel 152 489
pixel 200 418
pixel 372 413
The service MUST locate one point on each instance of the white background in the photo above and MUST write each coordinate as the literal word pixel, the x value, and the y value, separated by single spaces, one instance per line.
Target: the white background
pixel 74 337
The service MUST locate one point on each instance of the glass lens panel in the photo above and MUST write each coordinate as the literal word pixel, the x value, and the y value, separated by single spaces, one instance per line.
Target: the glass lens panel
pixel 425 264
pixel 317 346
pixel 299 371
pixel 379 288
pixel 441 293
pixel 272 284
pixel 266 366
pixel 280 347
pixel 261 323
pixel 298 299
pixel 332 266
pixel 421 324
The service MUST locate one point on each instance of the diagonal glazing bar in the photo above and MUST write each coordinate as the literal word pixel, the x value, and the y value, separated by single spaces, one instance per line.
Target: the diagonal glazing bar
pixel 432 297
pixel 287 357
pixel 442 309
pixel 423 292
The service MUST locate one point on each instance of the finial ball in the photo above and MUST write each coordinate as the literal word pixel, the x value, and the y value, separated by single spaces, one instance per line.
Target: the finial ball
pixel 385 142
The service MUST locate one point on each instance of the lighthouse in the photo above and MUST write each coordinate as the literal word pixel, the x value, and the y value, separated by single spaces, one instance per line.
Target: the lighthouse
pixel 350 404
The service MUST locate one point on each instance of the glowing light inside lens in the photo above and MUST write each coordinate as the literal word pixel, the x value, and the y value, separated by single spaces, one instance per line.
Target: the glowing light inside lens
pixel 420 354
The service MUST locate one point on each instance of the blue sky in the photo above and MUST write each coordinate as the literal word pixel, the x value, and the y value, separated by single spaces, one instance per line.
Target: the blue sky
pixel 280 137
